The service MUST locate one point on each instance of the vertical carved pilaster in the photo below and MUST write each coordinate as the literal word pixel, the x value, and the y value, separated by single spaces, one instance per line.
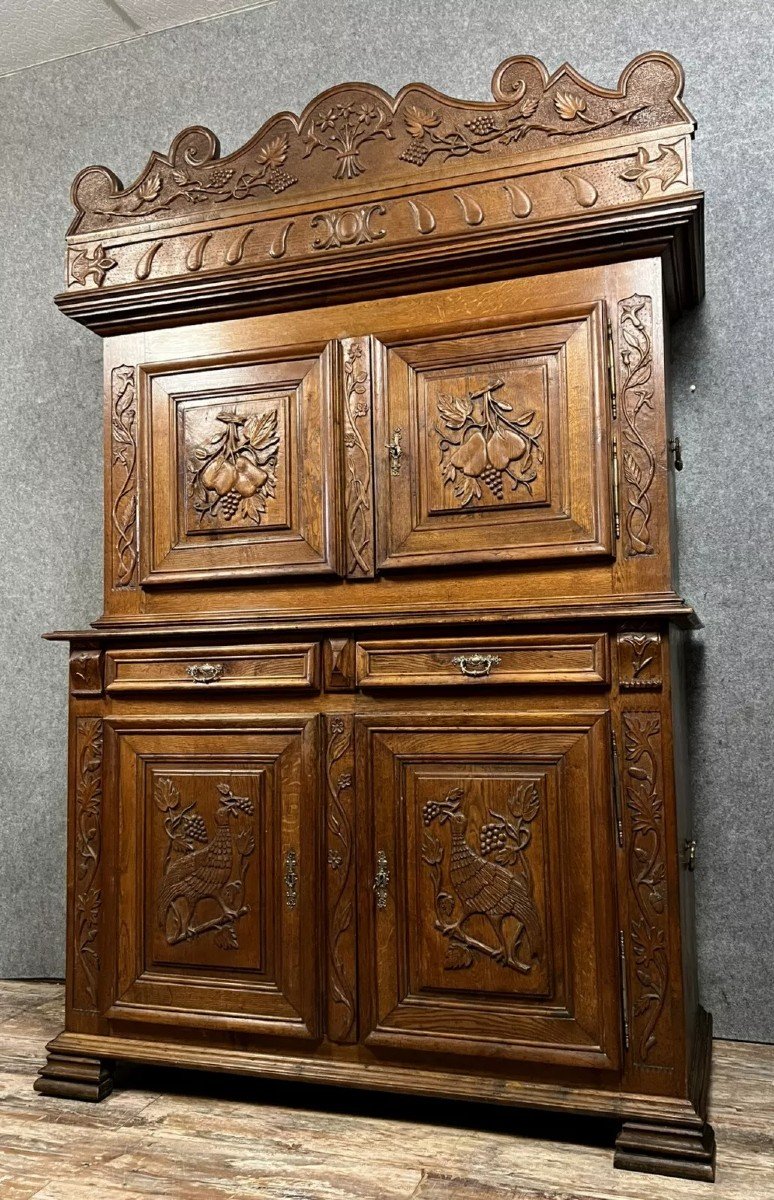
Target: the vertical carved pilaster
pixel 123 466
pixel 87 902
pixel 635 329
pixel 358 459
pixel 339 821
pixel 648 934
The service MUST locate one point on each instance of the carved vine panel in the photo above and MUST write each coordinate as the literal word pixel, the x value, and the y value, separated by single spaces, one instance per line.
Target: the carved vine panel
pixel 340 816
pixel 482 879
pixel 123 441
pixel 202 886
pixel 358 458
pixel 635 332
pixel 646 856
pixel 87 907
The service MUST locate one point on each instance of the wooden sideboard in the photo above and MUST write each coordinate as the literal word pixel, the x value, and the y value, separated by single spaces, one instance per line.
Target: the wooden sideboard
pixel 377 753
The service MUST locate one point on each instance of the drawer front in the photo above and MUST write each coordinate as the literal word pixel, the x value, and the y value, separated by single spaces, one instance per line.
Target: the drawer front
pixel 549 659
pixel 207 669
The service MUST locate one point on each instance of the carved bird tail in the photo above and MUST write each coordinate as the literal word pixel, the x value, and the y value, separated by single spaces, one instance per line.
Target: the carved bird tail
pixel 530 919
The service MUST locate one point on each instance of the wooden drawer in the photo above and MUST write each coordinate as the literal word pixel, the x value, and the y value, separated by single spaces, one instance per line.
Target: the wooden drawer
pixel 540 659
pixel 207 669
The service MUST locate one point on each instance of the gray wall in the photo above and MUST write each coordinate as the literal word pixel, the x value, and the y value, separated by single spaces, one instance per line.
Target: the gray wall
pixel 112 106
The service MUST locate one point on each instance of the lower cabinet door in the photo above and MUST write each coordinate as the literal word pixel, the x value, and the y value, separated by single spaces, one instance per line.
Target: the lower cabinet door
pixel 214 853
pixel 491 889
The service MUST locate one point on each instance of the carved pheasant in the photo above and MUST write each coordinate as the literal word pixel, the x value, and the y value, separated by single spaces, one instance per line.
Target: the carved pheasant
pixel 489 890
pixel 202 874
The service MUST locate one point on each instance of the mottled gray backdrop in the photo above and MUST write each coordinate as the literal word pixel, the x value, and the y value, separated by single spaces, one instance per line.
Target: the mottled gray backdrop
pixel 113 106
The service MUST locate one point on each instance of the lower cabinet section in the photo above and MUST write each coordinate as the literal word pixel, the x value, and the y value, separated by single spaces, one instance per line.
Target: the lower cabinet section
pixel 479 898
pixel 493 930
pixel 214 857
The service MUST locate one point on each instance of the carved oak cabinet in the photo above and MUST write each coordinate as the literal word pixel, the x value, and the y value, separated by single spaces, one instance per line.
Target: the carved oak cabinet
pixel 377 753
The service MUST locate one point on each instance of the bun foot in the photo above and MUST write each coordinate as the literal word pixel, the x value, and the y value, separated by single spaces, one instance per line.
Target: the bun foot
pixel 75 1077
pixel 687 1153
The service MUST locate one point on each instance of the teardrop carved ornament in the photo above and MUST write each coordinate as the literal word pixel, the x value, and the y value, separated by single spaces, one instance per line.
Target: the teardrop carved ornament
pixel 356 135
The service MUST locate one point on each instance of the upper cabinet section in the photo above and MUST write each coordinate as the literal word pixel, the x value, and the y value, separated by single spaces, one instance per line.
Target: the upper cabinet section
pixel 362 185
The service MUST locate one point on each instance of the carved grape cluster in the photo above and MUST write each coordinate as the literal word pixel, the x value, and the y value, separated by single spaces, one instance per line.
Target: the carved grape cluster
pixel 430 811
pixel 195 829
pixel 245 804
pixel 493 838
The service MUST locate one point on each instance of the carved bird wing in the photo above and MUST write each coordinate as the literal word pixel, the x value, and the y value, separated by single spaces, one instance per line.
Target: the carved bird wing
pixel 488 887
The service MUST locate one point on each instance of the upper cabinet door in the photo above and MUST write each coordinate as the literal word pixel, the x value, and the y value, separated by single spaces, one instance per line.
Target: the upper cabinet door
pixel 496 440
pixel 240 475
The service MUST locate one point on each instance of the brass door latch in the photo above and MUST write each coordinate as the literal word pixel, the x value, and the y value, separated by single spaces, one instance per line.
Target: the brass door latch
pixel 395 452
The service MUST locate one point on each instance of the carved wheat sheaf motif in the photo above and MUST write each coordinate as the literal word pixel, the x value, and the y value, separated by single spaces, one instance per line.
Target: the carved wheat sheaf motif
pixel 493 882
pixel 482 441
pixel 214 871
pixel 88 852
pixel 635 326
pixel 341 897
pixel 123 437
pixel 647 875
pixel 358 499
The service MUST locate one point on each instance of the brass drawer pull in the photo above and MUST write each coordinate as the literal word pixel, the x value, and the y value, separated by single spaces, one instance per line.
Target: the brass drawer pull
pixel 476 666
pixel 381 880
pixel 205 672
pixel 291 879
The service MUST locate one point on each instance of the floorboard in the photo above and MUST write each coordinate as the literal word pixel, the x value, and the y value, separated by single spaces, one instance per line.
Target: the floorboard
pixel 188 1136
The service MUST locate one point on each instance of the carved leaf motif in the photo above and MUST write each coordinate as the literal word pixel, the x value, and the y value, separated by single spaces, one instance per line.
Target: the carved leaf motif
pixel 663 169
pixel 569 105
pixel 458 956
pixel 417 120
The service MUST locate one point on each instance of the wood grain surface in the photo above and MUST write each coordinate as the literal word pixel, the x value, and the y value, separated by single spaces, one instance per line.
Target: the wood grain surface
pixel 188 1135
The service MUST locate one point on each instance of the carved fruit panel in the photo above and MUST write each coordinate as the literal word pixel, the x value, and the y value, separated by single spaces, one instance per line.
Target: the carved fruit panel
pixel 235 458
pixel 490 436
pixel 205 837
pixel 482 850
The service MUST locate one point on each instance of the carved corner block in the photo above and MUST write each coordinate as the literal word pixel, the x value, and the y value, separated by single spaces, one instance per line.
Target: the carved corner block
pixel 86 673
pixel 639 662
pixel 339 664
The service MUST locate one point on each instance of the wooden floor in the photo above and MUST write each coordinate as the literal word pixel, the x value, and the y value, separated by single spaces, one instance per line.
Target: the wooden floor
pixel 177 1135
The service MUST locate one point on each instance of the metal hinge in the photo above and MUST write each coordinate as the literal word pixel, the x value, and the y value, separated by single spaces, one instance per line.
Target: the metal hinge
pixel 611 370
pixel 624 988
pixel 689 854
pixel 676 452
pixel 616 788
pixel 616 503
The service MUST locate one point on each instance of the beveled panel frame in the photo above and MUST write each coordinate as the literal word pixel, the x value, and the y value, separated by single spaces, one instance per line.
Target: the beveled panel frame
pixel 268 983
pixel 571 1016
pixel 545 491
pixel 288 399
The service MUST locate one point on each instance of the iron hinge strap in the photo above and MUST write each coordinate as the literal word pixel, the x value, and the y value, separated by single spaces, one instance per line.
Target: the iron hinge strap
pixel 616 788
pixel 616 500
pixel 611 370
pixel 624 988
